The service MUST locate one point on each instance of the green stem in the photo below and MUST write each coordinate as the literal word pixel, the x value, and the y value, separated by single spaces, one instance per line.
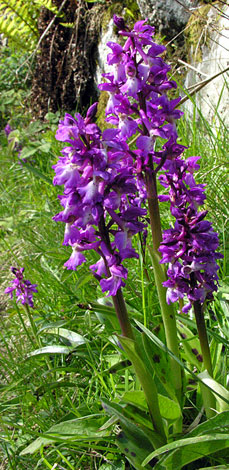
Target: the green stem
pixel 24 326
pixel 150 391
pixel 200 323
pixel 208 397
pixel 121 312
pixel 32 323
pixel 169 321
pixel 167 311
pixel 142 373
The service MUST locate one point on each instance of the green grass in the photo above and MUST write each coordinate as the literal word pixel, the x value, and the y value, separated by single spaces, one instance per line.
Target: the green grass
pixel 40 391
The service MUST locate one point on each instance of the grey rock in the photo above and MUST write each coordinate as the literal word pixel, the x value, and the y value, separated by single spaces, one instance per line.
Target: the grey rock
pixel 106 35
pixel 215 58
pixel 169 16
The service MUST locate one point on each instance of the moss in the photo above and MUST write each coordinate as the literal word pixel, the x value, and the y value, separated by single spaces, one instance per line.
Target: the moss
pixel 132 10
pixel 196 34
pixel 103 98
pixel 129 9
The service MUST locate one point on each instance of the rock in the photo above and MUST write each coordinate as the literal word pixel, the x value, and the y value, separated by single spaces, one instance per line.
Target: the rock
pixel 214 58
pixel 168 16
pixel 106 35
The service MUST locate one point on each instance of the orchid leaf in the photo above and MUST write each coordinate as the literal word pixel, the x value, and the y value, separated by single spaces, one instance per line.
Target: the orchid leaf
pixel 54 349
pixel 73 338
pixel 184 451
pixel 85 428
pixel 219 423
pixel 162 346
pixel 132 441
pixel 222 396
pixel 169 409
pixel 191 346
pixel 160 365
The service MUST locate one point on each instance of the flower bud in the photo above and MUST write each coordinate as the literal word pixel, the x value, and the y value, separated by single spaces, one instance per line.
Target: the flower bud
pixel 119 22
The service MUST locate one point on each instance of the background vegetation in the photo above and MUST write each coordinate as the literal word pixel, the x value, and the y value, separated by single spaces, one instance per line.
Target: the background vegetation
pixel 64 363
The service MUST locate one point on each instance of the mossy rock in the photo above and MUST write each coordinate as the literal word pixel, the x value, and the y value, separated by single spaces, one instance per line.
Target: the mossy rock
pixel 100 116
pixel 128 9
pixel 195 37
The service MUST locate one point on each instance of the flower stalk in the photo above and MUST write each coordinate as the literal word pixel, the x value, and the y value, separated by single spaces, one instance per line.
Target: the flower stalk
pixel 145 378
pixel 208 397
pixel 167 311
pixel 148 385
pixel 121 312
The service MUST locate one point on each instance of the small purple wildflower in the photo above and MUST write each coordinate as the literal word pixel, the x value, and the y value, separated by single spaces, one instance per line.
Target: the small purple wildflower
pixel 8 129
pixel 16 145
pixel 23 288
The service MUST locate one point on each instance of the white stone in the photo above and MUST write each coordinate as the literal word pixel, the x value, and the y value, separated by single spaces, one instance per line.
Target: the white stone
pixel 214 59
pixel 167 15
pixel 103 50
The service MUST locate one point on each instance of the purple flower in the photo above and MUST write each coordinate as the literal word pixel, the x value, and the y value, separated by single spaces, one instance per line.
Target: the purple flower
pixel 8 129
pixel 138 95
pixel 189 247
pixel 98 190
pixel 23 288
pixel 119 22
pixel 106 180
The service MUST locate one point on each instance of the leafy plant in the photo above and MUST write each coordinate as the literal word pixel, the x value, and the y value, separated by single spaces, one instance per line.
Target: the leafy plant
pixel 18 21
pixel 75 387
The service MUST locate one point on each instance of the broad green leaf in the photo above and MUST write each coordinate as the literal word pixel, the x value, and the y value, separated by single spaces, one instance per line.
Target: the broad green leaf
pixel 160 365
pixel 74 338
pixel 104 311
pixel 120 365
pixel 132 441
pixel 113 466
pixel 57 324
pixel 147 382
pixel 83 428
pixel 140 418
pixel 191 346
pixel 190 323
pixel 222 393
pixel 188 450
pixel 132 448
pixel 55 349
pixel 45 147
pixel 162 346
pixel 14 134
pixel 28 152
pixel 218 423
pixel 109 423
pixel 169 409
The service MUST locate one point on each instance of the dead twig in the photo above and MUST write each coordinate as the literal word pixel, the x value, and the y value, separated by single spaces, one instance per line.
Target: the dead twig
pixel 201 85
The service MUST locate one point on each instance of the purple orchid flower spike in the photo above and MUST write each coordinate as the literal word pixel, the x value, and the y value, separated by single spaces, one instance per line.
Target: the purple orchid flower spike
pixel 97 172
pixel 190 246
pixel 23 288
pixel 8 129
